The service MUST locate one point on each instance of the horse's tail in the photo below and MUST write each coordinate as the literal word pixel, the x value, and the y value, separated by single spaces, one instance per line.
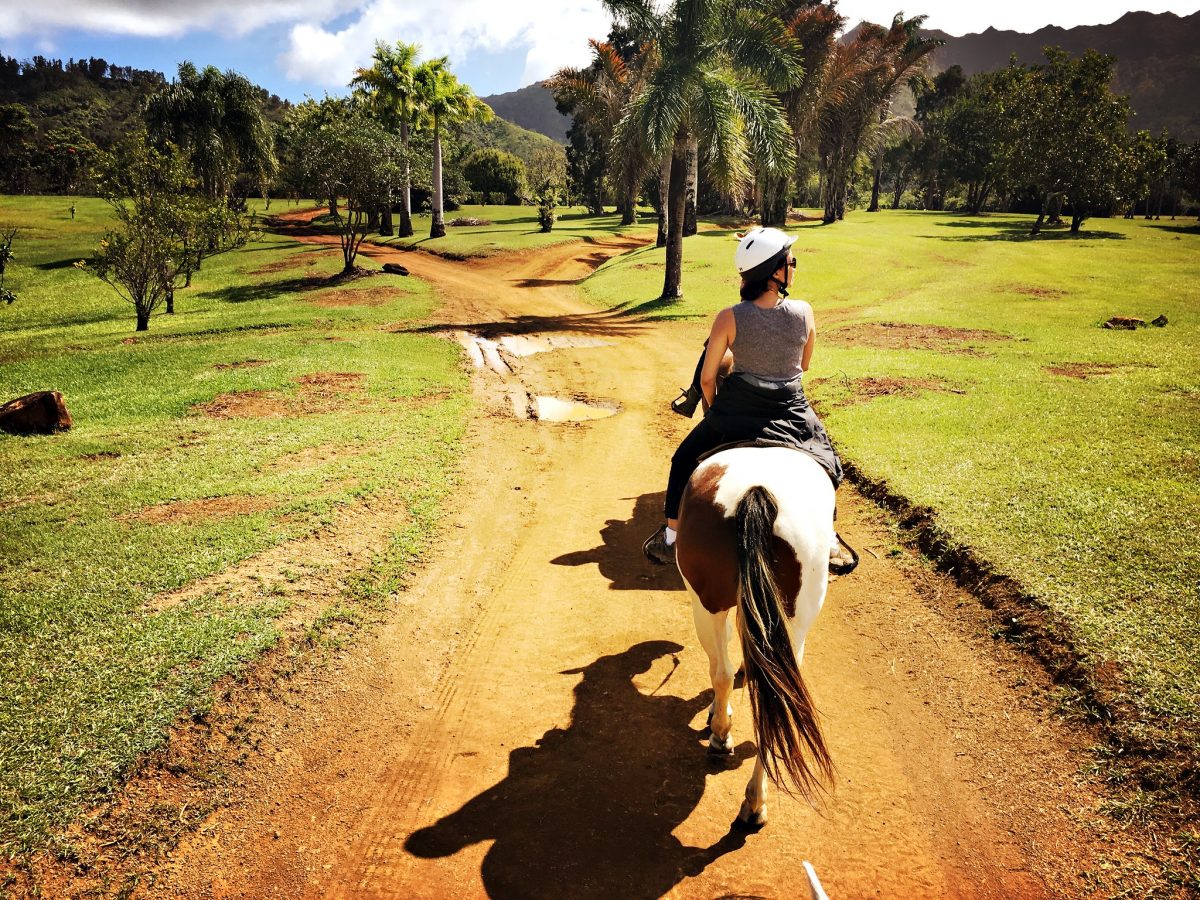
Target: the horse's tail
pixel 785 721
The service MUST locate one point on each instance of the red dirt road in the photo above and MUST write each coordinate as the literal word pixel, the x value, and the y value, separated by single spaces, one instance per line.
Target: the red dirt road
pixel 529 721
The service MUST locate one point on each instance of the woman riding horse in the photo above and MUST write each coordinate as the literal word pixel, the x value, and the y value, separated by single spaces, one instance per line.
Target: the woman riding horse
pixel 762 401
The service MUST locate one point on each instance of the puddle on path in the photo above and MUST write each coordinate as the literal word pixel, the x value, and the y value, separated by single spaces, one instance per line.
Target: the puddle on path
pixel 555 409
pixel 529 344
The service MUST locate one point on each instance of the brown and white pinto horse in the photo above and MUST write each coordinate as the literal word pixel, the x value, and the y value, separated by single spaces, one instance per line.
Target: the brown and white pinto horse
pixel 754 533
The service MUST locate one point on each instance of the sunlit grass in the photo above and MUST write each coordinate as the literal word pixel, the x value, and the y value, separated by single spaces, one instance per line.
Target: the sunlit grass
pixel 1082 489
pixel 90 675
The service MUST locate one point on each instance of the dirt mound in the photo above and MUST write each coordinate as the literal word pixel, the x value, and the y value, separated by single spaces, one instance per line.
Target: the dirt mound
pixel 908 336
pixel 242 364
pixel 206 510
pixel 319 392
pixel 361 297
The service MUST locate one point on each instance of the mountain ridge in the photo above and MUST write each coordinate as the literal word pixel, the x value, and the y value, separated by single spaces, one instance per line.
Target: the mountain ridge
pixel 1158 67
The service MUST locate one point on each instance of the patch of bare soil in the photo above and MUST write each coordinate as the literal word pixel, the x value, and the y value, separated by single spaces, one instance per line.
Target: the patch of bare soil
pixel 242 364
pixel 312 457
pixel 101 455
pixel 1083 370
pixel 908 336
pixel 863 390
pixel 361 297
pixel 190 511
pixel 1044 293
pixel 299 261
pixel 318 392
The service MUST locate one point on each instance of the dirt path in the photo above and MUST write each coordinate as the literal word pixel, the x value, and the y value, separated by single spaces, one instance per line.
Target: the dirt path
pixel 528 723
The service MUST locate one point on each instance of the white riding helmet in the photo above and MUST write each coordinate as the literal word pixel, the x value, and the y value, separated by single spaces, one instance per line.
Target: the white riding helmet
pixel 760 252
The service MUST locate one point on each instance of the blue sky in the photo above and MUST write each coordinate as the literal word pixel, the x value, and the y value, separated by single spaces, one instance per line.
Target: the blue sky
pixel 299 47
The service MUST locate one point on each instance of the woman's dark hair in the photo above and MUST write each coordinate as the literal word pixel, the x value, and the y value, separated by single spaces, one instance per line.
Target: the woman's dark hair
pixel 752 289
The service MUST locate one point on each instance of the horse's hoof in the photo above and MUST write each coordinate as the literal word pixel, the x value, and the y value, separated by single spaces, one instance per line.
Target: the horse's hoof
pixel 748 820
pixel 720 747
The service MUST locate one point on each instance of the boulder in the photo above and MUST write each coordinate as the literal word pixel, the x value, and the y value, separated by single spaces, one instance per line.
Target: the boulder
pixel 394 269
pixel 1160 322
pixel 1126 323
pixel 43 412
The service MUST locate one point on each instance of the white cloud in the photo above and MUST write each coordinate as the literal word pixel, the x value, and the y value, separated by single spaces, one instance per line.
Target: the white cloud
pixel 164 18
pixel 553 34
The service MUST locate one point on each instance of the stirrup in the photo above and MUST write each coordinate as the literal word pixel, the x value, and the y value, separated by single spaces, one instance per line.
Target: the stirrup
pixel 687 401
pixel 837 567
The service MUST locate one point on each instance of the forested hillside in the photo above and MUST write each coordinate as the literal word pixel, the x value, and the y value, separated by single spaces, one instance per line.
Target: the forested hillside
pixel 532 107
pixel 54 115
pixel 1158 63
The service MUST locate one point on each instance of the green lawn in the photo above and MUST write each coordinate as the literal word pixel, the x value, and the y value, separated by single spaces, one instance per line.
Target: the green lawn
pixel 90 675
pixel 514 228
pixel 1083 489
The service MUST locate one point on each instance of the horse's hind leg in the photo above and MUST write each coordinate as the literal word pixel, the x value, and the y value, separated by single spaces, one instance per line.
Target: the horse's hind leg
pixel 715 631
pixel 753 813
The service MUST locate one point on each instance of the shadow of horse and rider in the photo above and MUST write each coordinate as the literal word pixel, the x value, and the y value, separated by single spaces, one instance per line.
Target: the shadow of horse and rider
pixel 589 811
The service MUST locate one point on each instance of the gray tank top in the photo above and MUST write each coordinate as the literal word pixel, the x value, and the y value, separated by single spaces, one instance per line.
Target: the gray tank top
pixel 769 343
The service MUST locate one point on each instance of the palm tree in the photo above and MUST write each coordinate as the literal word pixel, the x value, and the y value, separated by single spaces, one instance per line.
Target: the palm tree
pixel 720 60
pixel 444 101
pixel 597 96
pixel 868 71
pixel 815 27
pixel 390 85
pixel 216 117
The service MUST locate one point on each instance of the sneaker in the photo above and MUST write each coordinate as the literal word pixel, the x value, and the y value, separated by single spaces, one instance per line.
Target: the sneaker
pixel 687 401
pixel 657 550
pixel 843 560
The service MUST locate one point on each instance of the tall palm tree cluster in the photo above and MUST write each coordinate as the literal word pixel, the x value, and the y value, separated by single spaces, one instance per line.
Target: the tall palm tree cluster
pixel 409 96
pixel 752 92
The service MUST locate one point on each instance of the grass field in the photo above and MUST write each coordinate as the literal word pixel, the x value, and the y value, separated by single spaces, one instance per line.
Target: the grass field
pixel 1064 453
pixel 192 448
pixel 514 228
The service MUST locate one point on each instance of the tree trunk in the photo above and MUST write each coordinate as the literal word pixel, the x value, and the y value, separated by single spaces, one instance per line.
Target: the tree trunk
pixel 629 209
pixel 385 221
pixel 406 228
pixel 676 201
pixel 981 196
pixel 773 201
pixel 899 188
pixel 143 319
pixel 333 206
pixel 832 192
pixel 170 299
pixel 372 219
pixel 1037 225
pixel 875 184
pixel 693 175
pixel 664 181
pixel 437 228
pixel 1055 211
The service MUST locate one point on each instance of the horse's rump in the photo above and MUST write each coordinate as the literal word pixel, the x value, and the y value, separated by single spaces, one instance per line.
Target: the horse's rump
pixel 707 543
